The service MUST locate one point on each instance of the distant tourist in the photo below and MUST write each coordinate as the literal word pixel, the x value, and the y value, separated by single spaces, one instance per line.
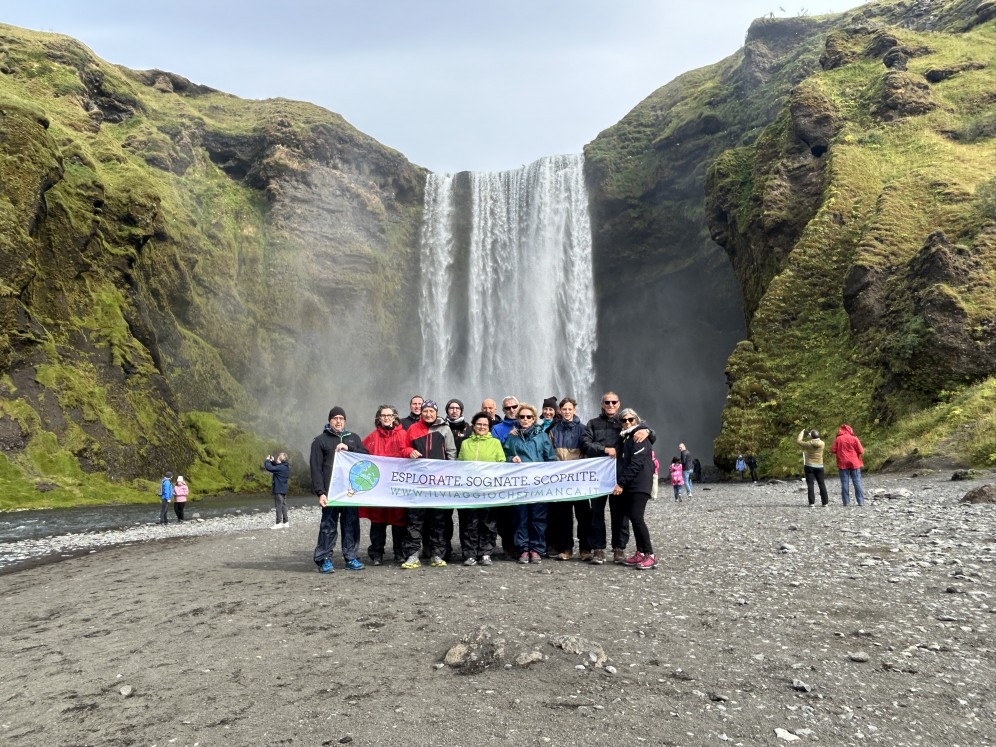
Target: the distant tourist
pixel 180 492
pixel 279 470
pixel 165 496
pixel 741 466
pixel 752 466
pixel 697 470
pixel 686 468
pixel 677 478
pixel 333 439
pixel 848 450
pixel 812 464
pixel 634 481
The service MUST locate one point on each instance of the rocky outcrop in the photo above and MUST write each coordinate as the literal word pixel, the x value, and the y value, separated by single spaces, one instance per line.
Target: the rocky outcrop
pixel 176 250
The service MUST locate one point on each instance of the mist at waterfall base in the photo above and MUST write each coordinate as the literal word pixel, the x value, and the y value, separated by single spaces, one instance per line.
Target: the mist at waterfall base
pixel 507 304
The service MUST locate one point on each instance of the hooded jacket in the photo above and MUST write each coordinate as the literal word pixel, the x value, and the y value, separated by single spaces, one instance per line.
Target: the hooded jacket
pixel 635 463
pixel 388 443
pixel 847 448
pixel 501 429
pixel 484 448
pixel 602 432
pixel 323 455
pixel 280 472
pixel 433 441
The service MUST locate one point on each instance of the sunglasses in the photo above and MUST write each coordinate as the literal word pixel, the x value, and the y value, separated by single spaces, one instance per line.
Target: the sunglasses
pixel 610 402
pixel 527 417
pixel 510 407
pixel 627 420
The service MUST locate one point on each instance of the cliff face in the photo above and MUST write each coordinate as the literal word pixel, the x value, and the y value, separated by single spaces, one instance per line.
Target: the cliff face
pixel 858 227
pixel 170 251
pixel 809 204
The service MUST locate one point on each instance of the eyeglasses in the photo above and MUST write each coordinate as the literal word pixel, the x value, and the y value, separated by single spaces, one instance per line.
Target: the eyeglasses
pixel 627 420
pixel 386 415
pixel 510 407
pixel 527 417
pixel 610 402
pixel 482 424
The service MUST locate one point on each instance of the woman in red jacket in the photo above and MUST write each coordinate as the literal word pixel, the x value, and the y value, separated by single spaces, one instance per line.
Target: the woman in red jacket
pixel 847 448
pixel 389 439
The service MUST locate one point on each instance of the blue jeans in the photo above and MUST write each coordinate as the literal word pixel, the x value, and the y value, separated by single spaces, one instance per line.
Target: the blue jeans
pixel 688 481
pixel 530 532
pixel 846 476
pixel 328 530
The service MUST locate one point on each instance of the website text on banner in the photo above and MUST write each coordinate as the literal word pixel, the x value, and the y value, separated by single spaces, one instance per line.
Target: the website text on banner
pixel 366 480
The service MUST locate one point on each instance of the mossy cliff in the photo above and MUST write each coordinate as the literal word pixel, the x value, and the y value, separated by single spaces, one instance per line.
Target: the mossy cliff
pixel 184 274
pixel 846 168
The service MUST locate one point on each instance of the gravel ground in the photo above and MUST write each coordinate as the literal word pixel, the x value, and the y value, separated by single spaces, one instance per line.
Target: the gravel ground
pixel 766 623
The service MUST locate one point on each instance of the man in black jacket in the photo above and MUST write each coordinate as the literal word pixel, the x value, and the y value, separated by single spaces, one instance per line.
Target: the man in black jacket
pixel 601 438
pixel 333 439
pixel 414 412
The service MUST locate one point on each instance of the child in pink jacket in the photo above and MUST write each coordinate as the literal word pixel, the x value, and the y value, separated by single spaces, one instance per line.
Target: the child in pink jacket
pixel 677 478
pixel 180 493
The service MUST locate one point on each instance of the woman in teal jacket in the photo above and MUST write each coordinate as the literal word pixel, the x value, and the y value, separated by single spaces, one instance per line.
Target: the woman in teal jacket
pixel 478 528
pixel 529 443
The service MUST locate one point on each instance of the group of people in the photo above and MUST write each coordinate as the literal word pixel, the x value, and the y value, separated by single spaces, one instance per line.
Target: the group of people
pixel 848 451
pixel 743 464
pixel 172 493
pixel 521 433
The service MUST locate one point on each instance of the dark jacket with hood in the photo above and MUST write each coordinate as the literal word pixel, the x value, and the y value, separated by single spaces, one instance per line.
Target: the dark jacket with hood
pixel 602 432
pixel 635 463
pixel 323 455
pixel 565 435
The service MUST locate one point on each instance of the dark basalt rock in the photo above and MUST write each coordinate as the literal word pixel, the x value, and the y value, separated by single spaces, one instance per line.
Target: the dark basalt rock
pixel 903 95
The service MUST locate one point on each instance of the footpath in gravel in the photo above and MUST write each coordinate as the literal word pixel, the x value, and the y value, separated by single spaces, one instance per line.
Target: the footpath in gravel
pixel 767 623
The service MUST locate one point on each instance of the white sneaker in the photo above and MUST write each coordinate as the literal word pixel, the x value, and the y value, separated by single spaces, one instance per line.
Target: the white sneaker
pixel 276 526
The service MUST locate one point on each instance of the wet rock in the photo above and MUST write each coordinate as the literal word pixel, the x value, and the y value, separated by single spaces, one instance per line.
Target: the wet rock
pixel 981 494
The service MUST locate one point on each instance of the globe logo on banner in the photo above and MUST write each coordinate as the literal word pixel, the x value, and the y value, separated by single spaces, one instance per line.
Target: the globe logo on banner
pixel 362 476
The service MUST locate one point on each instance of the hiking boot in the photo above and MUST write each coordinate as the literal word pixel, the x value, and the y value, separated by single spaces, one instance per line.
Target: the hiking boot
pixel 376 559
pixel 618 556
pixel 485 560
pixel 524 558
pixel 437 562
pixel 470 561
pixel 565 555
pixel 635 559
pixel 585 556
pixel 412 562
pixel 534 557
pixel 598 557
pixel 648 562
pixel 326 566
pixel 353 565
pixel 551 553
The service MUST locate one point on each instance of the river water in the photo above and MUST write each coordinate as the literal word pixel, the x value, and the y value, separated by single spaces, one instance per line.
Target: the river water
pixel 55 522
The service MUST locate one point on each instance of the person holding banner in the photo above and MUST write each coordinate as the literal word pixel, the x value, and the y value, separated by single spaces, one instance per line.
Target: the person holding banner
pixel 431 438
pixel 634 481
pixel 601 438
pixel 388 438
pixel 529 443
pixel 565 434
pixel 333 439
pixel 478 529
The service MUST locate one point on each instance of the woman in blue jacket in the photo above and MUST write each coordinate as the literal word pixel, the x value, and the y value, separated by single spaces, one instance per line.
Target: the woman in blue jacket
pixel 528 443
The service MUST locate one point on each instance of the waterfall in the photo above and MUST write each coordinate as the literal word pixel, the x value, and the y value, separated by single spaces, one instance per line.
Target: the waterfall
pixel 507 303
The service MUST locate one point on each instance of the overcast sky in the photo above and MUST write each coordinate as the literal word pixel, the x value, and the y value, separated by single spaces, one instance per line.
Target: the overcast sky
pixel 452 84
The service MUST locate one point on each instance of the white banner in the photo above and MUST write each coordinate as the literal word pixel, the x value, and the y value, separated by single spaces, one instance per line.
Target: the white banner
pixel 365 480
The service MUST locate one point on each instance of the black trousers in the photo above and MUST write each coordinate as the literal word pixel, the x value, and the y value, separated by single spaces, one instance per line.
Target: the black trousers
pixel 636 508
pixel 560 525
pixel 620 523
pixel 478 532
pixel 815 474
pixel 424 525
pixel 378 540
pixel 178 507
pixel 506 520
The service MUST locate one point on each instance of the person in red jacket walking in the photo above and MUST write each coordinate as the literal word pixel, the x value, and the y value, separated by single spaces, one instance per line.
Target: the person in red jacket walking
pixel 848 450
